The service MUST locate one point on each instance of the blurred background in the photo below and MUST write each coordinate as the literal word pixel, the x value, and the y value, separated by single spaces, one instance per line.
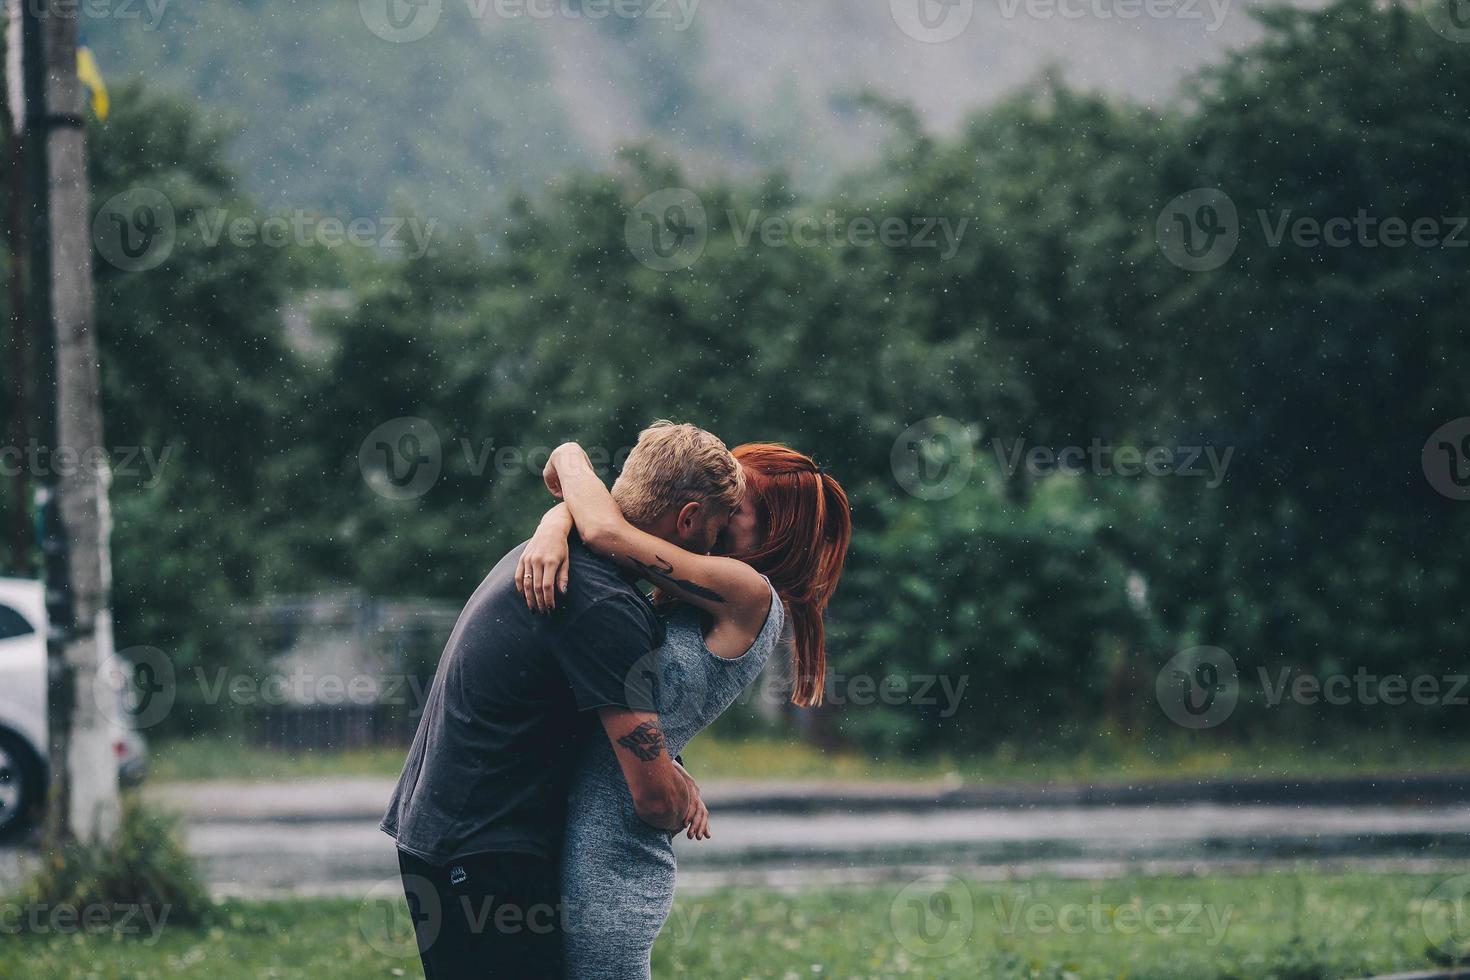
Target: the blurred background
pixel 1136 333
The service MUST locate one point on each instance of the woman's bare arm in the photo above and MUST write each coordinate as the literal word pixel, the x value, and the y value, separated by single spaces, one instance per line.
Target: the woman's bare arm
pixel 544 565
pixel 728 589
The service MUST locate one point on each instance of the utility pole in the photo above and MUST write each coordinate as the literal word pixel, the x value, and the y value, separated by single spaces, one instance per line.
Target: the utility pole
pixel 18 368
pixel 71 499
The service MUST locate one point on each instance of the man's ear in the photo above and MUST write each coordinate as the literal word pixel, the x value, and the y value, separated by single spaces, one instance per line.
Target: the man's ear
pixel 689 518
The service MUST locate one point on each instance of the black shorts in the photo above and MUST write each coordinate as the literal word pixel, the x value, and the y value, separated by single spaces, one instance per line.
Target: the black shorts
pixel 491 915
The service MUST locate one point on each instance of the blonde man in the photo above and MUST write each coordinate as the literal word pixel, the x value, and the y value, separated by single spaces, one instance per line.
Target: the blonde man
pixel 480 807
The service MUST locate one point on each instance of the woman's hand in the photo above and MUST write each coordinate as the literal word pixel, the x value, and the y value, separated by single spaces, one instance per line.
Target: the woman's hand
pixel 541 572
pixel 696 817
pixel 548 472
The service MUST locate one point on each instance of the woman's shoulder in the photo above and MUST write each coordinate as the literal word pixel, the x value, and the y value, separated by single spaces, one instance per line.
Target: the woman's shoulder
pixel 689 628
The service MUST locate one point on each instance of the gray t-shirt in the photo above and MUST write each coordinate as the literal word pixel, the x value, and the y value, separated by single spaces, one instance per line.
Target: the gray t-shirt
pixel 511 703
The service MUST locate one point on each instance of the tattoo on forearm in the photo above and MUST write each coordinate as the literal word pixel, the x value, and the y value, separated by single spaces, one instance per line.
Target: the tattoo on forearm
pixel 646 741
pixel 663 574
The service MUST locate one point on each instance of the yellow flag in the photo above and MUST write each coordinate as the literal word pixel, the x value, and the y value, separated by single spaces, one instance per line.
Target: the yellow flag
pixel 91 76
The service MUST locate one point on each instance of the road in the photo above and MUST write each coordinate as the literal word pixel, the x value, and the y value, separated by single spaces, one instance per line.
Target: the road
pixel 322 838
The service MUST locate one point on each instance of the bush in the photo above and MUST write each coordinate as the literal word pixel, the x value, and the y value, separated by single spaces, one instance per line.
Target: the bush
pixel 144 868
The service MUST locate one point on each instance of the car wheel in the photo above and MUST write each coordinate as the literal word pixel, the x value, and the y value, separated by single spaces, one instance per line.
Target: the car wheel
pixel 21 786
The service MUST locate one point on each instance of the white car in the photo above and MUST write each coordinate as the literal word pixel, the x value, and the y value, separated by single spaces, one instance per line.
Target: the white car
pixel 23 735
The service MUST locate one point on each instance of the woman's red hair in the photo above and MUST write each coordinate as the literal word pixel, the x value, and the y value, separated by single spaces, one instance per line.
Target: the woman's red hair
pixel 806 527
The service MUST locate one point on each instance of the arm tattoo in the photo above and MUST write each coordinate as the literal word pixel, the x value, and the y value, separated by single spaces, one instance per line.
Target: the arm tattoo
pixel 663 574
pixel 646 741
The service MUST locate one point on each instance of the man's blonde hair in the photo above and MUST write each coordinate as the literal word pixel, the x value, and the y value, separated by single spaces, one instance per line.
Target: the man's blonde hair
pixel 672 465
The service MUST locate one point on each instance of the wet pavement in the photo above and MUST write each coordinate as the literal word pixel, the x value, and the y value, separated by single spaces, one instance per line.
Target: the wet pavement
pixel 322 838
pixel 780 850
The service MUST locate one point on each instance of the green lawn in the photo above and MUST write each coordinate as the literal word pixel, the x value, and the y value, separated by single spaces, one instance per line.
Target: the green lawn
pixel 1288 927
pixel 714 756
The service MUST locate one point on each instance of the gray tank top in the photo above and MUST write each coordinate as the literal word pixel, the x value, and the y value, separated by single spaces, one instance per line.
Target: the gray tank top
pixel 618 872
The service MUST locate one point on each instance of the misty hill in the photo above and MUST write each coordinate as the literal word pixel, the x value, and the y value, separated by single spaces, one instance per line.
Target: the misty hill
pixel 340 108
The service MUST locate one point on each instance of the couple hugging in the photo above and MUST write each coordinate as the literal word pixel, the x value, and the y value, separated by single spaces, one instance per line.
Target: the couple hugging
pixel 536 813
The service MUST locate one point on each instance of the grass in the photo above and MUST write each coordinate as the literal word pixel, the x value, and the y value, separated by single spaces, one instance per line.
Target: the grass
pixel 1283 927
pixel 717 756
